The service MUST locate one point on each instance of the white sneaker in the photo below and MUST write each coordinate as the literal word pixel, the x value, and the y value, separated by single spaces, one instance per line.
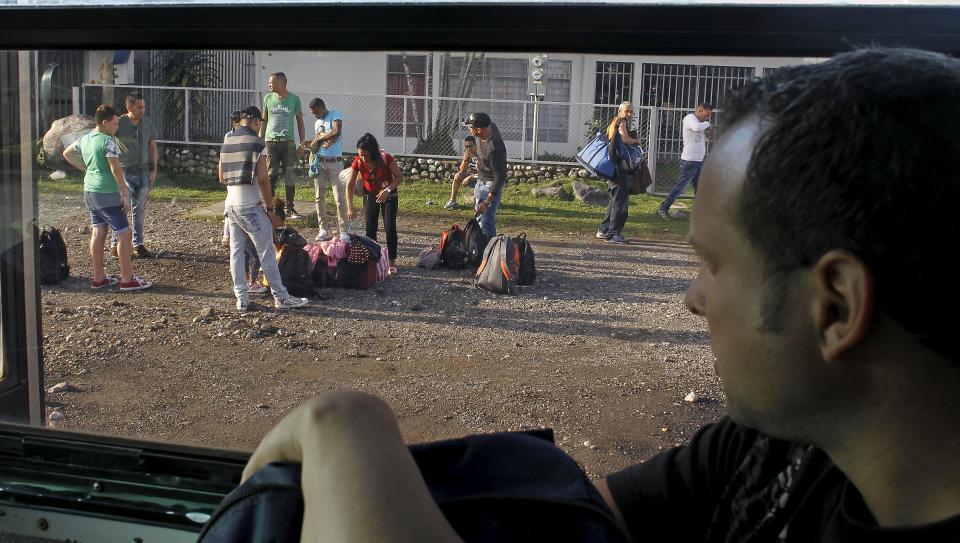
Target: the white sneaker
pixel 601 234
pixel 243 306
pixel 291 302
pixel 256 289
pixel 323 235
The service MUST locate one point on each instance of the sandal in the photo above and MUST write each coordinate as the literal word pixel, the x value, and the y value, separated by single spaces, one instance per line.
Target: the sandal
pixel 108 281
pixel 392 270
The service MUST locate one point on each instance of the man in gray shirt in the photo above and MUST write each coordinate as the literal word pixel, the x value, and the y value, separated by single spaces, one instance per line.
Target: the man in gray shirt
pixel 138 156
pixel 491 170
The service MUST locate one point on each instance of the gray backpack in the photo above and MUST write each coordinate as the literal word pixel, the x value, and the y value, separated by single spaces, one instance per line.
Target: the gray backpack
pixel 500 267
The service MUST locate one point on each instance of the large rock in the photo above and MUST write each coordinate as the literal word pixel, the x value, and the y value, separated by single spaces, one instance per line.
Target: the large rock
pixel 590 195
pixel 62 133
pixel 557 193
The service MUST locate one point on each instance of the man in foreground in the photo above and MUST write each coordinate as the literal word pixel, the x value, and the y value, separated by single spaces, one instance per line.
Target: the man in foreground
pixel 826 299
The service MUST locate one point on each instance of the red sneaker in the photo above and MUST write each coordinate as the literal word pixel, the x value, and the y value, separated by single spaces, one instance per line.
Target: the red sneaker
pixel 108 281
pixel 136 283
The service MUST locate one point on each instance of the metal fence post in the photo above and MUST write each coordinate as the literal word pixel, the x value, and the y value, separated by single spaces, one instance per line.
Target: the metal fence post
pixel 403 132
pixel 523 133
pixel 75 97
pixel 186 115
pixel 652 132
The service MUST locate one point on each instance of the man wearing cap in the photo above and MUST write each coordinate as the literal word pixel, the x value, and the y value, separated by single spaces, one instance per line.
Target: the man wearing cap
pixel 241 162
pixel 491 170
pixel 280 109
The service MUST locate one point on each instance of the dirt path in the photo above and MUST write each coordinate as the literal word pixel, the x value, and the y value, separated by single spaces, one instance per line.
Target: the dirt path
pixel 601 348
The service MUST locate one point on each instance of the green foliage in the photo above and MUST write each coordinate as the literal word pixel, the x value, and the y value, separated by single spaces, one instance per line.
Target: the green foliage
pixel 40 156
pixel 188 69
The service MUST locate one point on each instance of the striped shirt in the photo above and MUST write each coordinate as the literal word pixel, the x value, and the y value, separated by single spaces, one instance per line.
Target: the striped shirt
pixel 239 155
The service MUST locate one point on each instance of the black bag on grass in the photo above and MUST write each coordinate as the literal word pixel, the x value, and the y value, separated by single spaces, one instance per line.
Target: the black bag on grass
pixel 52 265
pixel 452 253
pixel 474 242
pixel 527 272
pixel 500 267
pixel 509 487
pixel 296 271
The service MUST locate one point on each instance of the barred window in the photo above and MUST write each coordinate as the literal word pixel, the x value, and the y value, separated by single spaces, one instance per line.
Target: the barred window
pixel 398 84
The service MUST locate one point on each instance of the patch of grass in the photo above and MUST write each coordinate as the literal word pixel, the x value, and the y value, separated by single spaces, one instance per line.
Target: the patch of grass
pixel 166 188
pixel 519 212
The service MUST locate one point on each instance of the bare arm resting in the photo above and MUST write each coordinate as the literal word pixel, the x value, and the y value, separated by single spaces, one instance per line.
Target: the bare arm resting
pixel 360 482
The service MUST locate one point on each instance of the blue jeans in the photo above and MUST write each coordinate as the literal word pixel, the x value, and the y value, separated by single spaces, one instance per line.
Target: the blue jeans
pixel 689 173
pixel 253 221
pixel 488 221
pixel 139 187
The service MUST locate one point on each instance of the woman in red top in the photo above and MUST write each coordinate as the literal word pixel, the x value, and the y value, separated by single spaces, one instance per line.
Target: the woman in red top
pixel 381 176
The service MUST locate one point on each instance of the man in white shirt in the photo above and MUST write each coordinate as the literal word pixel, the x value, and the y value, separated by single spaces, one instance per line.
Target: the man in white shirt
pixel 695 126
pixel 326 161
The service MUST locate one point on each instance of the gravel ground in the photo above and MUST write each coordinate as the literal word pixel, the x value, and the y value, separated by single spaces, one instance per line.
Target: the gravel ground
pixel 601 349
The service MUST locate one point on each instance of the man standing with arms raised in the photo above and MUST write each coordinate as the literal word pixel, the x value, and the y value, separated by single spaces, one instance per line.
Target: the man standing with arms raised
pixel 280 109
pixel 696 128
pixel 491 170
pixel 138 156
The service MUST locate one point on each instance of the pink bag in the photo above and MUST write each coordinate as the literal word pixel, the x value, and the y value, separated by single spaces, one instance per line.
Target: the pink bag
pixel 314 251
pixel 335 249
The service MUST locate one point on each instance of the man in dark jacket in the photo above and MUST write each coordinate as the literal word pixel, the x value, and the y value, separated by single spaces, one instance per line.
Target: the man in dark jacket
pixel 491 170
pixel 826 231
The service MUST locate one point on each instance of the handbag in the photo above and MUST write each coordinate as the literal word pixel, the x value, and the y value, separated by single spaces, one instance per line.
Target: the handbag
pixel 594 157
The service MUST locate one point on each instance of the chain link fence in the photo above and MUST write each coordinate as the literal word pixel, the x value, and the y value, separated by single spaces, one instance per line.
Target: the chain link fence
pixel 422 126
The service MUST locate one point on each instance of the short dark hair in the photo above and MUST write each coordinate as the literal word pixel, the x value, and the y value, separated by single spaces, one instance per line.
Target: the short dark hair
pixel 279 75
pixel 369 144
pixel 317 102
pixel 858 153
pixel 235 117
pixel 471 139
pixel 132 99
pixel 706 105
pixel 104 113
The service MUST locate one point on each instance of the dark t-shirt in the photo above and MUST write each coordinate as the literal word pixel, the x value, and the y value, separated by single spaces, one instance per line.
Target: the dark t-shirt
pixel 735 485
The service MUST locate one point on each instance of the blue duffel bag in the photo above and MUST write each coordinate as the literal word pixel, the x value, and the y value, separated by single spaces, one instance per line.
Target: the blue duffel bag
pixel 595 159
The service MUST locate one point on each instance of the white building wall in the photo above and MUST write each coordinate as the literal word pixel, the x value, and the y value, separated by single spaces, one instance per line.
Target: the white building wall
pixel 354 83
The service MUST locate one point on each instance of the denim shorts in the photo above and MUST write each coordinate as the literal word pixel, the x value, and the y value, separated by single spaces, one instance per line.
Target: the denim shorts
pixel 106 208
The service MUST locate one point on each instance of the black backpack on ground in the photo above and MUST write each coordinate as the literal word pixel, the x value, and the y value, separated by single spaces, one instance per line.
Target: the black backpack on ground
pixel 496 487
pixel 528 266
pixel 452 253
pixel 52 265
pixel 499 270
pixel 475 241
pixel 295 271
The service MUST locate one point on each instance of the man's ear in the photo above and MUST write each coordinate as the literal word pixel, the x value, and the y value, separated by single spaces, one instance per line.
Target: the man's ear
pixel 844 302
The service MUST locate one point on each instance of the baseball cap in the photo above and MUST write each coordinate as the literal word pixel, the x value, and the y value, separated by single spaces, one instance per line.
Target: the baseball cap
pixel 477 120
pixel 251 112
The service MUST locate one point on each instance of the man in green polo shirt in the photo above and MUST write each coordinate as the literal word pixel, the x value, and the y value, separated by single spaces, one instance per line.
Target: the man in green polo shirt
pixel 107 197
pixel 280 109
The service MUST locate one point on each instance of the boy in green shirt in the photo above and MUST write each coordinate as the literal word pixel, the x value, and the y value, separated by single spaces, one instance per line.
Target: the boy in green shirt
pixel 107 197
